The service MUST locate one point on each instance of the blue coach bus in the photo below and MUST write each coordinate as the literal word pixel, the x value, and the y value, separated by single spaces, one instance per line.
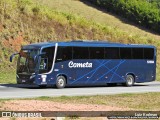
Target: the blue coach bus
pixel 85 63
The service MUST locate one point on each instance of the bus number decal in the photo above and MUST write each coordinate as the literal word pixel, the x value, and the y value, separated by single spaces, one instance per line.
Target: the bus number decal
pixel 150 61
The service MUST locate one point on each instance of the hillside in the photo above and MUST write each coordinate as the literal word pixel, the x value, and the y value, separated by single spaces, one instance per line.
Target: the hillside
pixel 144 13
pixel 23 22
pixel 29 21
pixel 118 29
pixel 94 13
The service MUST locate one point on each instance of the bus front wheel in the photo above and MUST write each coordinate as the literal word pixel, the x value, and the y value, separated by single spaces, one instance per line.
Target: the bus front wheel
pixel 129 80
pixel 60 82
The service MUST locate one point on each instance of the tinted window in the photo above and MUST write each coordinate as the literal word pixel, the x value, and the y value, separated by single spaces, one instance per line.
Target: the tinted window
pixel 49 54
pixel 125 53
pixel 137 53
pixel 64 53
pixel 148 53
pixel 96 52
pixel 80 53
pixel 111 53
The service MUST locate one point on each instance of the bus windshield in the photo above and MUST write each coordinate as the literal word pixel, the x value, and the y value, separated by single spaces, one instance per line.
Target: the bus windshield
pixel 26 64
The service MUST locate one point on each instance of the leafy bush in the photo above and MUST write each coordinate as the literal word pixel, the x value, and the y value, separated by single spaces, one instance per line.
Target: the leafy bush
pixel 143 12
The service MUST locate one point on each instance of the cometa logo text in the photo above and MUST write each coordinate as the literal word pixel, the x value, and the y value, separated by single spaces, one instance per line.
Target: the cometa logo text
pixel 71 64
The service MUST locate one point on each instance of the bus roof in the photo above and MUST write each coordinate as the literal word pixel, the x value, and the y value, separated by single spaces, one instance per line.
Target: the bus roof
pixel 84 43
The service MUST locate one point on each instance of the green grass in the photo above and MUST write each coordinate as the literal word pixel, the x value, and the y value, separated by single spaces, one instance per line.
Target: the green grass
pixel 158 73
pixel 8 77
pixel 144 101
pixel 79 8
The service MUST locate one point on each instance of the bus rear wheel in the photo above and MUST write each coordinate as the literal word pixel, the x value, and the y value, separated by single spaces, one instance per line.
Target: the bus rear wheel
pixel 129 80
pixel 60 82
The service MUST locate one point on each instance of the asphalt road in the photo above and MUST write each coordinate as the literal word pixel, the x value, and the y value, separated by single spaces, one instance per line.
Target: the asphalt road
pixel 25 91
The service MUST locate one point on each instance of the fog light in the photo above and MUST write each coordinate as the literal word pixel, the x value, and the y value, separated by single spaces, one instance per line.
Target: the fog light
pixel 44 78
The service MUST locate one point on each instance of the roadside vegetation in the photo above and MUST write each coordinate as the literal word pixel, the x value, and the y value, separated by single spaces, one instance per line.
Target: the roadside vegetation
pixel 143 101
pixel 143 12
pixel 6 77
pixel 98 15
pixel 28 21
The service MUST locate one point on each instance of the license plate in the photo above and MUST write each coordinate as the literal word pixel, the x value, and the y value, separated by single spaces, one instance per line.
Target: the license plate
pixel 23 80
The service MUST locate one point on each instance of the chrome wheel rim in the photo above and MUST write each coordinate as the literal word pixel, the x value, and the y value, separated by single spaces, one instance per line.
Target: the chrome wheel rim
pixel 129 81
pixel 60 82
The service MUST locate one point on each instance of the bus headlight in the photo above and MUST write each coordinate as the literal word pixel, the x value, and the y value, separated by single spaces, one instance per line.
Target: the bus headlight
pixel 17 76
pixel 32 76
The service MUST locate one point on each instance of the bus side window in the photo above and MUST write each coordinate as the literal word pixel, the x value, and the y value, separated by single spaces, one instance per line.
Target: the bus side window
pixel 137 53
pixel 111 53
pixel 96 52
pixel 125 53
pixel 49 57
pixel 67 53
pixel 80 53
pixel 148 53
pixel 44 64
pixel 59 54
pixel 64 53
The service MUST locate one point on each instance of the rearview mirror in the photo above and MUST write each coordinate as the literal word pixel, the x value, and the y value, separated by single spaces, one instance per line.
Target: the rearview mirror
pixel 11 57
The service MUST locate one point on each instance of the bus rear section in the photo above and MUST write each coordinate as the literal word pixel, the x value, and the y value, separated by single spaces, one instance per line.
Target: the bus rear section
pixel 99 65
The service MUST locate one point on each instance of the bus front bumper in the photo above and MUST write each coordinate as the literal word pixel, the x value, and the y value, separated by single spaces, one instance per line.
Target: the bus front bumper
pixel 25 81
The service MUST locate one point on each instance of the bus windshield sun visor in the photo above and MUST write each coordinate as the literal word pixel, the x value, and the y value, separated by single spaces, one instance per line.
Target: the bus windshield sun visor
pixel 11 57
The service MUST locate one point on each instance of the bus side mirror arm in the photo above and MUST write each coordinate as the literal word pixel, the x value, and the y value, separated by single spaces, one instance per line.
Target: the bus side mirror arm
pixel 11 57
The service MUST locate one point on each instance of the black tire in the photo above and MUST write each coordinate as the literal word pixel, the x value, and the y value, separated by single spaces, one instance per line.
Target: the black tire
pixel 112 84
pixel 129 80
pixel 60 82
pixel 42 86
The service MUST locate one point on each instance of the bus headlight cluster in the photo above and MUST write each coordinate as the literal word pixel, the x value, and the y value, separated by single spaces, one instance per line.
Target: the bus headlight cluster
pixel 17 76
pixel 32 76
